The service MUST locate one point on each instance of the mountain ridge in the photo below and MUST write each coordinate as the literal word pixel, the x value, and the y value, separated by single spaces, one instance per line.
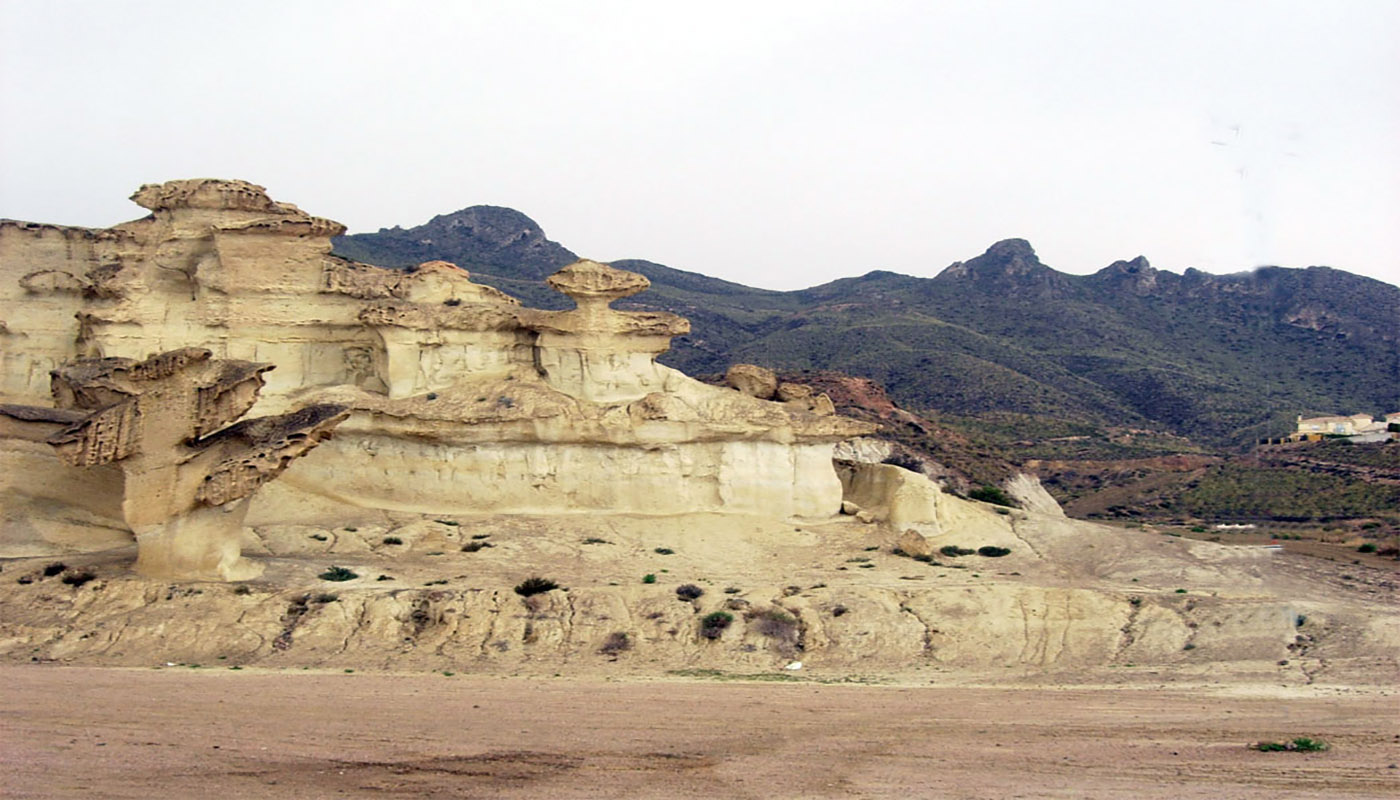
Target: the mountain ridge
pixel 1221 358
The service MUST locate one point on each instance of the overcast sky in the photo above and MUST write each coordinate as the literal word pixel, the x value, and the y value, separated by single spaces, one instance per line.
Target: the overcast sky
pixel 780 144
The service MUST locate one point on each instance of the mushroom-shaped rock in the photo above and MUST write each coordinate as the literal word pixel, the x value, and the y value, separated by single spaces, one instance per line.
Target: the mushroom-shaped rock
pixel 752 380
pixel 597 353
pixel 595 286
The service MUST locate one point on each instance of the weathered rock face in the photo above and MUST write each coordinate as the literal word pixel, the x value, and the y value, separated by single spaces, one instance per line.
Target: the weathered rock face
pixel 1031 495
pixel 898 495
pixel 186 470
pixel 460 399
pixel 752 380
pixel 863 448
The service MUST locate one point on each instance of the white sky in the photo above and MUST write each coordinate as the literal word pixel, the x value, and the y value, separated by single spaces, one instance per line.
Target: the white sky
pixel 780 144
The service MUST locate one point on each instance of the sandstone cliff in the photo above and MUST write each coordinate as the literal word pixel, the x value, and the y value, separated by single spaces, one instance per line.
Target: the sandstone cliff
pixel 460 399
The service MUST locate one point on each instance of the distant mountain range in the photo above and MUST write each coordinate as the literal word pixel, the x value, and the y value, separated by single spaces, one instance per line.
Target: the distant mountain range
pixel 1223 359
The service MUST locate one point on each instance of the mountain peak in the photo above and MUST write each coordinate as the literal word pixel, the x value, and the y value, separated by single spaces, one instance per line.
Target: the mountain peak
pixel 488 222
pixel 1008 263
pixel 482 238
pixel 1006 257
pixel 1137 266
pixel 1136 275
pixel 1010 249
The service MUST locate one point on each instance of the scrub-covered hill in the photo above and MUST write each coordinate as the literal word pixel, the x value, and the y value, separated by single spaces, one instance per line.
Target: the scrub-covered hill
pixel 1221 359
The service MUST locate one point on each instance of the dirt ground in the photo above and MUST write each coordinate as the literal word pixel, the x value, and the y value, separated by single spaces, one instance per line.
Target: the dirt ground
pixel 100 732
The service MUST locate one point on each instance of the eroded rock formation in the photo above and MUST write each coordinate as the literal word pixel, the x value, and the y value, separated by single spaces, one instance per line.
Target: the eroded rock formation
pixel 186 469
pixel 460 399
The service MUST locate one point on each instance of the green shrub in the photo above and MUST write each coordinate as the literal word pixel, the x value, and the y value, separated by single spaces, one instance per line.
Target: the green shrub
pixel 535 585
pixel 1301 744
pixel 992 551
pixel 392 540
pixel 1368 547
pixel 689 591
pixel 954 551
pixel 665 551
pixel 649 578
pixel 338 574
pixel 991 494
pixel 712 625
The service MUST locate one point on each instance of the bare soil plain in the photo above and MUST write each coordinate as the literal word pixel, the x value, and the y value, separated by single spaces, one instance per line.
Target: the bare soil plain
pixel 177 732
pixel 1090 661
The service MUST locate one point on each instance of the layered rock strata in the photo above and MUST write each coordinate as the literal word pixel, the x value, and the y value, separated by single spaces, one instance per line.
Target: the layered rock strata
pixel 460 399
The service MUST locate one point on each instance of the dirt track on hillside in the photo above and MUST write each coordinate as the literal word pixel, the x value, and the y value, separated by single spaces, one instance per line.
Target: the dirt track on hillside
pixel 67 732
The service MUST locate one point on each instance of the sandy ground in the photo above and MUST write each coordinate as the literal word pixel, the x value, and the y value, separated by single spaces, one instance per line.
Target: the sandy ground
pixel 92 732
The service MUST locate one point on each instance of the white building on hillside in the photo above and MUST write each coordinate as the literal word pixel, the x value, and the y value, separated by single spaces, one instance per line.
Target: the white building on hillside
pixel 1356 427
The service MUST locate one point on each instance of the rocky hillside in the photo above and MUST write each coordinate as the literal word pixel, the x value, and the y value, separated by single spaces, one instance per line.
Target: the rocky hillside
pixel 1223 359
pixel 1322 483
pixel 958 462
pixel 1067 600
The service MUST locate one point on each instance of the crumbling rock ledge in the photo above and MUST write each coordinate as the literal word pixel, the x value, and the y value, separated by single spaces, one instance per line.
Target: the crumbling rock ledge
pixel 162 422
